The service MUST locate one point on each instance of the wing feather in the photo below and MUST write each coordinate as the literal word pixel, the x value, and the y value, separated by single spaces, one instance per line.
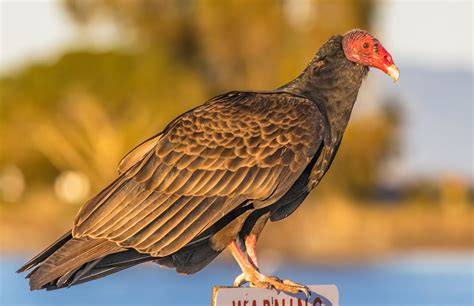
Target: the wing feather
pixel 117 218
pixel 137 153
pixel 144 216
pixel 167 219
pixel 121 199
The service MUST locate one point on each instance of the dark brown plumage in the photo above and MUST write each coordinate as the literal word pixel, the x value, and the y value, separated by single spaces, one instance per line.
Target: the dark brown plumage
pixel 214 175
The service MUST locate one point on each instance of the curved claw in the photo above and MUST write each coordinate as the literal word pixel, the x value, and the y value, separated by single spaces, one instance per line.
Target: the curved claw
pixel 301 288
pixel 240 280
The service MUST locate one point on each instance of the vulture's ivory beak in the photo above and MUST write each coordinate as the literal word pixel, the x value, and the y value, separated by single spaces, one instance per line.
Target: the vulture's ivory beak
pixel 393 72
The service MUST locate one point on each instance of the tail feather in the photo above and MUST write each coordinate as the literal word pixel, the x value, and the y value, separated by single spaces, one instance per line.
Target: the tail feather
pixel 100 267
pixel 93 275
pixel 46 253
pixel 65 256
pixel 80 273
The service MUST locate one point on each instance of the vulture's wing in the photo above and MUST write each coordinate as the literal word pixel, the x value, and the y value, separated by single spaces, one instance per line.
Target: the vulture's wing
pixel 235 148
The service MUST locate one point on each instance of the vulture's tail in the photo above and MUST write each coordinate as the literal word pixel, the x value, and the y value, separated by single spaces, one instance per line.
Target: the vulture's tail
pixel 71 261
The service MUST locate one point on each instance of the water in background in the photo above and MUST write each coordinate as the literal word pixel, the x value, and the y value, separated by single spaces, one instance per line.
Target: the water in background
pixel 415 279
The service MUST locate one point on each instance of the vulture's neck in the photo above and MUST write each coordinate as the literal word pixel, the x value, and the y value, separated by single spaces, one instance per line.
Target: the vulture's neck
pixel 333 80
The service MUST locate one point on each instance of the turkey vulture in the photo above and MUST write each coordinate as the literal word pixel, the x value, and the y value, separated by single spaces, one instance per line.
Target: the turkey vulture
pixel 215 175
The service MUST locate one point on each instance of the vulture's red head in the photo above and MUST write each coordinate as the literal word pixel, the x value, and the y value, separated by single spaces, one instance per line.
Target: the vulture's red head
pixel 362 48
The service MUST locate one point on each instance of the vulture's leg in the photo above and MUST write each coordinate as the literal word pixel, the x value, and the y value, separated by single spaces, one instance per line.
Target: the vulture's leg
pixel 251 248
pixel 250 273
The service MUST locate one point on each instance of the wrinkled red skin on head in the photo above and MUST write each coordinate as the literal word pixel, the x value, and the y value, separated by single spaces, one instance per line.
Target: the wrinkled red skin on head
pixel 362 48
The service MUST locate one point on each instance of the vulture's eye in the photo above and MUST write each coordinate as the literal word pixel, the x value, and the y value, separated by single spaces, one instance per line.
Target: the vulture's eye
pixel 365 45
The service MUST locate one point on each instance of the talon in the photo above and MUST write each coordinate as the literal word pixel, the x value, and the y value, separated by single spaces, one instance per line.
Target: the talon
pixel 264 285
pixel 240 280
pixel 300 288
pixel 306 291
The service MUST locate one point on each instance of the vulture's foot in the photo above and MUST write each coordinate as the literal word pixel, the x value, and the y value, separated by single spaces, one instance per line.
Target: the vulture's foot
pixel 256 279
pixel 247 261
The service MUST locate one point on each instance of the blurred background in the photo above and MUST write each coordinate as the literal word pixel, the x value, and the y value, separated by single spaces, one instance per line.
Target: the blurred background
pixel 84 81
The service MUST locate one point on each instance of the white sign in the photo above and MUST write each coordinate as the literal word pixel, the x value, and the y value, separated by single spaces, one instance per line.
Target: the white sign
pixel 321 295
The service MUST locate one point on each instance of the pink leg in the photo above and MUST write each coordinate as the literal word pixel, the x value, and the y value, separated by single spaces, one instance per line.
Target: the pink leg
pixel 251 246
pixel 240 257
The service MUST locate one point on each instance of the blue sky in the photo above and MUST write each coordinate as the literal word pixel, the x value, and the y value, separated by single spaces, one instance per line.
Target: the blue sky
pixel 431 42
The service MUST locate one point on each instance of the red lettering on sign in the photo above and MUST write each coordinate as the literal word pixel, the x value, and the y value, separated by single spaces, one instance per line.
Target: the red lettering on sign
pixel 266 303
pixel 283 302
pixel 300 302
pixel 254 303
pixel 317 302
